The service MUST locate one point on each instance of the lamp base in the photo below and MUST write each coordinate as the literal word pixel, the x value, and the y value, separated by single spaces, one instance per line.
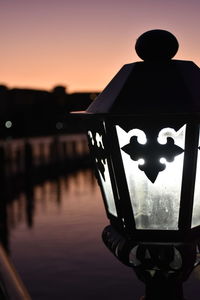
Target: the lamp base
pixel 163 267
pixel 164 290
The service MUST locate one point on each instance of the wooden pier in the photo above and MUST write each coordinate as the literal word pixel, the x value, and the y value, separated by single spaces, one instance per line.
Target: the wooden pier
pixel 19 156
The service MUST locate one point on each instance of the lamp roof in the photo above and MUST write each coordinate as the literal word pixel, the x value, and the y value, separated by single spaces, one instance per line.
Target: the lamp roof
pixel 156 85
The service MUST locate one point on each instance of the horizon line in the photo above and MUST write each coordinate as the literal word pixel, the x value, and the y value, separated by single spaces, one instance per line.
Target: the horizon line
pixel 49 89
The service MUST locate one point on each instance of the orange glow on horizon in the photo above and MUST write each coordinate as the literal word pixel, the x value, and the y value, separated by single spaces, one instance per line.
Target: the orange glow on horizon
pixel 82 46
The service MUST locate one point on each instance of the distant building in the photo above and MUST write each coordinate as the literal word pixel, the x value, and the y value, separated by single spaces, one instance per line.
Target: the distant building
pixel 30 112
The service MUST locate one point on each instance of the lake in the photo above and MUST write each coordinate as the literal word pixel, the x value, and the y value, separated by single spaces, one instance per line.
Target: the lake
pixel 54 240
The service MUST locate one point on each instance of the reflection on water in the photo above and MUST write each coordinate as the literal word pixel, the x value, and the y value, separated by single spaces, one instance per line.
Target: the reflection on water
pixel 55 242
pixel 54 236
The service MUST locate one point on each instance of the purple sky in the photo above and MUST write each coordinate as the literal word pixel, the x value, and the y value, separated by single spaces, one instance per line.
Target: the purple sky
pixel 82 44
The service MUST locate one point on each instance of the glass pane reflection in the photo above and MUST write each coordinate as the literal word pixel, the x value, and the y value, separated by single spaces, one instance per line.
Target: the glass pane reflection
pixel 107 188
pixel 196 204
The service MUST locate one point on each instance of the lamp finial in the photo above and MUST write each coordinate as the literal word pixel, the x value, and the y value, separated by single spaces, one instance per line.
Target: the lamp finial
pixel 156 45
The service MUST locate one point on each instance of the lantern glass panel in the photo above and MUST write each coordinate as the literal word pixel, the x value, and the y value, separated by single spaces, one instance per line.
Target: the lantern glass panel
pixel 107 189
pixel 101 162
pixel 196 203
pixel 155 202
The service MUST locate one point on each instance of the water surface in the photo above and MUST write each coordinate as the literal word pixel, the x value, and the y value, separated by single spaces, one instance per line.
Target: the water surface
pixel 55 243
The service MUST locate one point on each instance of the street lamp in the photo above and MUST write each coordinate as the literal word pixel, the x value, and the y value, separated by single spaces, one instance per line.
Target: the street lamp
pixel 144 138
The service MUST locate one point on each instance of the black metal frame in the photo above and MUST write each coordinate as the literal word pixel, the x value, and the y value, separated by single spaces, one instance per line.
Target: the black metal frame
pixel 97 126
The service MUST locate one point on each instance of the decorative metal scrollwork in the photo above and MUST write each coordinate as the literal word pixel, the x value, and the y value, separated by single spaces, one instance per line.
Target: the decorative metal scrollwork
pixel 151 152
pixel 99 150
pixel 151 260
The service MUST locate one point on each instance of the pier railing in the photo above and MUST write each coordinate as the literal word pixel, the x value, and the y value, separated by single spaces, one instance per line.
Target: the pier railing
pixel 11 285
pixel 25 155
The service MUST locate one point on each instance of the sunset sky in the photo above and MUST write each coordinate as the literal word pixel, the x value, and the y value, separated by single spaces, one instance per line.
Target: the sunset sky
pixel 83 43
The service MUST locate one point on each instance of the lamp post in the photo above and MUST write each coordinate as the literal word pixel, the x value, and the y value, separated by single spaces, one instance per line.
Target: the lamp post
pixel 144 138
